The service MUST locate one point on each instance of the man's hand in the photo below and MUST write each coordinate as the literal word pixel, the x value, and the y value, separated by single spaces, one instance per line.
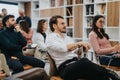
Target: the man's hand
pixel 17 27
pixel 85 45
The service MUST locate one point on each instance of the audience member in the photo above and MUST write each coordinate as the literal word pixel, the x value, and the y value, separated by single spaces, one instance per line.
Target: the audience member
pixel 61 48
pixel 101 44
pixel 23 17
pixel 4 13
pixel 40 36
pixel 26 31
pixel 27 34
pixel 11 44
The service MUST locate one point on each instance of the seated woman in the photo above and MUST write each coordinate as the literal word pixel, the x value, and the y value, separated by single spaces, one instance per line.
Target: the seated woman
pixel 27 34
pixel 40 36
pixel 26 31
pixel 101 44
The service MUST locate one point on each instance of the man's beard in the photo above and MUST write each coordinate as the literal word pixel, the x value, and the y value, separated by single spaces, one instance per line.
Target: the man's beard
pixel 63 31
pixel 12 26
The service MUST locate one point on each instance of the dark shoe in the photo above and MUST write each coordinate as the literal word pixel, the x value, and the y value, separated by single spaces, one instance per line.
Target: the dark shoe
pixel 113 75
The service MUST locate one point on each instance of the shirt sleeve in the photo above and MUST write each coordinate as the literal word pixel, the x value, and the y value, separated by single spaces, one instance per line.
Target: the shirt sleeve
pixel 40 42
pixel 96 47
pixel 55 45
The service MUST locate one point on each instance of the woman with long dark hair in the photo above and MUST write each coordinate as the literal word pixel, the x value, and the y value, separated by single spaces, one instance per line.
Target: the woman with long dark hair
pixel 99 40
pixel 40 38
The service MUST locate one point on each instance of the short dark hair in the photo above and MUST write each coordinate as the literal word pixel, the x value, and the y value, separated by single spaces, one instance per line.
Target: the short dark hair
pixel 53 20
pixel 4 20
pixel 40 25
pixel 3 9
pixel 24 26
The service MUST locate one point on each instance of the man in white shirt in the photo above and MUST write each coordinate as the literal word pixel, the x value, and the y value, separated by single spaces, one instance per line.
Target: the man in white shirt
pixel 61 48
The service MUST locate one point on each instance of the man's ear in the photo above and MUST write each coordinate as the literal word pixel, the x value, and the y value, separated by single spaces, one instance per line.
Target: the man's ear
pixel 54 26
pixel 7 22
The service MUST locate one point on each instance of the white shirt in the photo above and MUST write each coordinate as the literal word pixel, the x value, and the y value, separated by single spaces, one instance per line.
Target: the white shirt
pixel 57 48
pixel 39 40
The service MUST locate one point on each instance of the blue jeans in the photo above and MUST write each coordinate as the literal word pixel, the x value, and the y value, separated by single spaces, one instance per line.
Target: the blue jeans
pixel 108 59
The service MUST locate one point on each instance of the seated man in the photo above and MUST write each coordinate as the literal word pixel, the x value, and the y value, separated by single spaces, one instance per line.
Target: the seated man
pixel 61 49
pixel 39 73
pixel 11 44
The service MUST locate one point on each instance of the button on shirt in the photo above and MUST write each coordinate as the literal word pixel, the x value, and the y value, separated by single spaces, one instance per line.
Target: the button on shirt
pixel 57 48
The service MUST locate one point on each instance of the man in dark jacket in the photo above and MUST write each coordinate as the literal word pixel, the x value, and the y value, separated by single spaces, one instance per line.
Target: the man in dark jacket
pixel 12 43
pixel 23 17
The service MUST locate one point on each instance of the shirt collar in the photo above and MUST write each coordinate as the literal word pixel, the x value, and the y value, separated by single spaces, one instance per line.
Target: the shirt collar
pixel 64 34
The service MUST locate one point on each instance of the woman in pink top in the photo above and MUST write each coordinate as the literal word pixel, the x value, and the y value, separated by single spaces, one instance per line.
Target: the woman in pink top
pixel 26 31
pixel 101 44
pixel 27 34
